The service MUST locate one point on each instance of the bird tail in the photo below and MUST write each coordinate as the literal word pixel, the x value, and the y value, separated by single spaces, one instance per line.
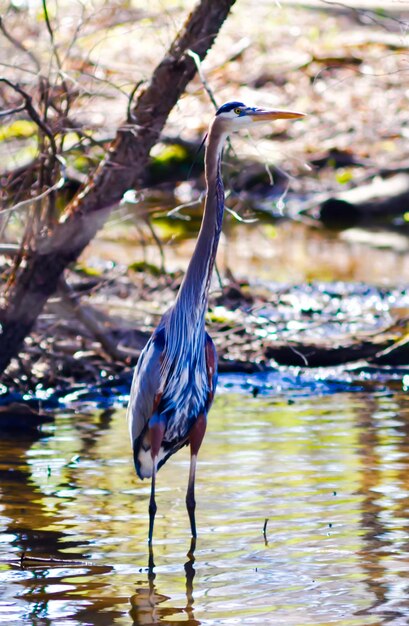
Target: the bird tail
pixel 143 458
pixel 143 463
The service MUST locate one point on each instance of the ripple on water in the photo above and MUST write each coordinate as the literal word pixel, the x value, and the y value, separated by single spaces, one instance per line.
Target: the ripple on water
pixel 329 473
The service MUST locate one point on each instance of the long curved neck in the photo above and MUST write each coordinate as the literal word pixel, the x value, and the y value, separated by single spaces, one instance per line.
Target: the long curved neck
pixel 194 290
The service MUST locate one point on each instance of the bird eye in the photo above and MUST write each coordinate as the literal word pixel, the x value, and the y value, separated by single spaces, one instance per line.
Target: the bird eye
pixel 237 111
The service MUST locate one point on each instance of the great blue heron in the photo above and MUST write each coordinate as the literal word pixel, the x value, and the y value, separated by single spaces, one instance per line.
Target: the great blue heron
pixel 175 378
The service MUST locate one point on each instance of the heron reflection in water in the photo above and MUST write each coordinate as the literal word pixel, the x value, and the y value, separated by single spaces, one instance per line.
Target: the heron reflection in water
pixel 146 601
pixel 175 378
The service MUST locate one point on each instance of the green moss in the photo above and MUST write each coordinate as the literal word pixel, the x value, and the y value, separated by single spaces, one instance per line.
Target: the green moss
pixel 20 129
pixel 170 162
pixel 143 266
pixel 86 270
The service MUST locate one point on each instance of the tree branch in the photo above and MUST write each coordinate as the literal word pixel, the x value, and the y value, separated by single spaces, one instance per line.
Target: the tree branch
pixel 19 45
pixel 33 113
pixel 123 168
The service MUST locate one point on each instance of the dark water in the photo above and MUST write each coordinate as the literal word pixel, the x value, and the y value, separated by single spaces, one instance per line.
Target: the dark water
pixel 330 472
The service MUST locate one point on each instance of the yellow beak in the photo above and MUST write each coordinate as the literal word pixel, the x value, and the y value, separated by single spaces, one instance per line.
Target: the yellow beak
pixel 264 116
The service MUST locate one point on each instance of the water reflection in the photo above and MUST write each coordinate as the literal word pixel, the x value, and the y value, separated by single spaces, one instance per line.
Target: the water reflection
pixel 146 601
pixel 330 473
pixel 384 441
pixel 40 564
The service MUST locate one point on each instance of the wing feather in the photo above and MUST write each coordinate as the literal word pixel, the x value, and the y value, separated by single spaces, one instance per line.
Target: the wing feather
pixel 146 386
pixel 211 368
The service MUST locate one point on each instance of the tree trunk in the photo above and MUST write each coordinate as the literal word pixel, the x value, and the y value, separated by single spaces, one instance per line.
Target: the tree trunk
pixel 122 169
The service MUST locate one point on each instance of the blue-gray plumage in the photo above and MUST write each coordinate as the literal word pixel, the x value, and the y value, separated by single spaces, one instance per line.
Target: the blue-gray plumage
pixel 176 375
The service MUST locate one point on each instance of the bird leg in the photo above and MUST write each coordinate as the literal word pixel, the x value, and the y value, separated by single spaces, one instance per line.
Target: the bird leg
pixel 152 502
pixel 196 435
pixel 156 430
pixel 190 494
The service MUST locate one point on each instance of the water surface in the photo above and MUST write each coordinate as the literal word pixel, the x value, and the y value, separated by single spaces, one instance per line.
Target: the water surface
pixel 330 473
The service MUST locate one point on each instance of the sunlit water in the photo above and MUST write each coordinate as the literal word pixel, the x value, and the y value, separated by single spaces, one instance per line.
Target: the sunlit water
pixel 329 472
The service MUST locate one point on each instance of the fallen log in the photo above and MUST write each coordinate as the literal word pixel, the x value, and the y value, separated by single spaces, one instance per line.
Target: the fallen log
pixel 376 203
pixel 17 416
pixel 314 355
pixel 395 354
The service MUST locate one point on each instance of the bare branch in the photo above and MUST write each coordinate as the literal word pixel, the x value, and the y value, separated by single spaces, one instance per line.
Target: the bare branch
pixel 57 56
pixel 129 115
pixel 19 45
pixel 369 14
pixel 22 107
pixel 198 63
pixel 30 201
pixel 86 315
pixel 33 113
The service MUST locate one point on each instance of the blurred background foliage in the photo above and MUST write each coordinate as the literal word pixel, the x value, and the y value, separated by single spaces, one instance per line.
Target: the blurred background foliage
pixel 69 73
pixel 80 62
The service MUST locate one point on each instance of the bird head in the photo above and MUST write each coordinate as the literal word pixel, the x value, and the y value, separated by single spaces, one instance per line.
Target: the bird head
pixel 235 115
